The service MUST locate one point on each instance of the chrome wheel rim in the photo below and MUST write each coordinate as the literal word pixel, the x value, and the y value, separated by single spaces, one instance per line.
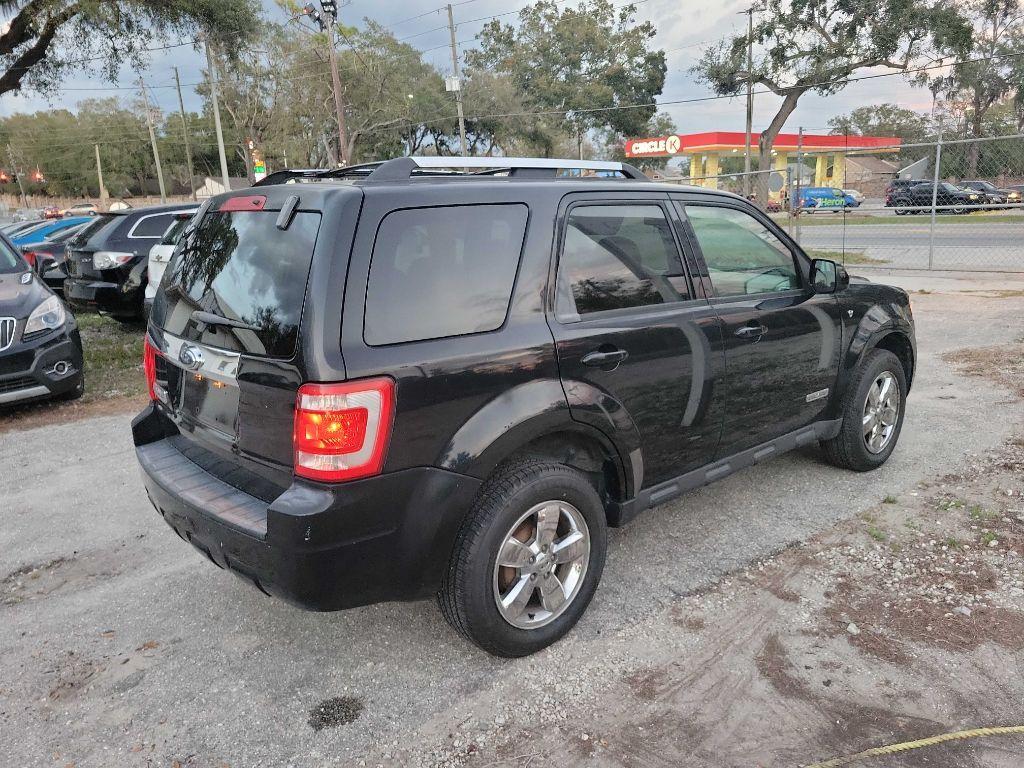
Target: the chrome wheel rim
pixel 541 564
pixel 881 412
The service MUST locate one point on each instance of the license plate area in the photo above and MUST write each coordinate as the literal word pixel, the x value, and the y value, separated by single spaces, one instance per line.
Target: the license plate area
pixel 202 385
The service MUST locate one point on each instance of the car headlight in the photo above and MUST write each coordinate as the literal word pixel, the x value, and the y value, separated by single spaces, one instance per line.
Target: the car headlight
pixel 973 197
pixel 47 316
pixel 110 259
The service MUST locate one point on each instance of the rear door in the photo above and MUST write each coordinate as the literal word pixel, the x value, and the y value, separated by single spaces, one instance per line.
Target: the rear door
pixel 636 341
pixel 782 341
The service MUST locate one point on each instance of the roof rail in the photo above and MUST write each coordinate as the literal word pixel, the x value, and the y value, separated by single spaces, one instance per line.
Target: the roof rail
pixel 403 167
pixel 282 177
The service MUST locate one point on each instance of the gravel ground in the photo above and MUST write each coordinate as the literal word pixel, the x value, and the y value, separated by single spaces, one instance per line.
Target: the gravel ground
pixel 120 645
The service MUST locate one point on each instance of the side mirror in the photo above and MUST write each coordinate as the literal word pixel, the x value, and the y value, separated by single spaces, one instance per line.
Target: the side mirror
pixel 825 276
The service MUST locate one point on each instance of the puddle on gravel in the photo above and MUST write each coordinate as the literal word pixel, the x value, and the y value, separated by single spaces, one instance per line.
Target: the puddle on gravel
pixel 341 710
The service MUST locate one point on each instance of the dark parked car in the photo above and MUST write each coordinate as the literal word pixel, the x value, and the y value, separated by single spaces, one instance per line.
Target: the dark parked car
pixel 897 185
pixel 482 373
pixel 48 257
pixel 40 348
pixel 949 198
pixel 991 193
pixel 107 261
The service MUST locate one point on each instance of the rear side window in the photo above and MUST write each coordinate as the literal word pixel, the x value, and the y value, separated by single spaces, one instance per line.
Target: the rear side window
pixel 152 226
pixel 438 272
pixel 617 257
pixel 239 265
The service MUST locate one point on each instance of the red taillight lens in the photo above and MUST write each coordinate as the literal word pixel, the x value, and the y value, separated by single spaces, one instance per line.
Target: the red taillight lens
pixel 30 257
pixel 244 203
pixel 342 430
pixel 149 366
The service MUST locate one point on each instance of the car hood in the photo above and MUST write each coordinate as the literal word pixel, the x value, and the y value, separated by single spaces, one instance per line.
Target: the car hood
pixel 18 299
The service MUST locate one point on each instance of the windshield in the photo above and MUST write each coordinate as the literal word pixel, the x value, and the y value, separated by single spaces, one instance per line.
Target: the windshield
pixel 10 260
pixel 239 265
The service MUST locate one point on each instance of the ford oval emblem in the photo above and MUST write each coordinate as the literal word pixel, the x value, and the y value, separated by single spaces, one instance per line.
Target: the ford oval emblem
pixel 191 357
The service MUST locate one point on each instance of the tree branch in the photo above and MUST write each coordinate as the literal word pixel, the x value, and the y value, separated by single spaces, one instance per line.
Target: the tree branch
pixel 11 79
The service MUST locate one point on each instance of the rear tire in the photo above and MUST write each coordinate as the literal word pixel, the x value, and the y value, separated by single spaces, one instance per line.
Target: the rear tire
pixel 523 500
pixel 872 410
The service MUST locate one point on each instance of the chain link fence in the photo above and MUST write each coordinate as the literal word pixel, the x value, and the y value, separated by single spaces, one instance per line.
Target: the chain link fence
pixel 951 204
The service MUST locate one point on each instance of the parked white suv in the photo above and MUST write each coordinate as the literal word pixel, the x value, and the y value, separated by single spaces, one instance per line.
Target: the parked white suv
pixel 160 254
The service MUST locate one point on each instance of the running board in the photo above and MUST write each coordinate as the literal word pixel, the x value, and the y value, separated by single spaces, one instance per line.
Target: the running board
pixel 620 513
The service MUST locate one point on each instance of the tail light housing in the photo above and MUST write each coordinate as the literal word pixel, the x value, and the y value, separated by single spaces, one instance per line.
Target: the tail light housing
pixel 30 257
pixel 149 366
pixel 342 430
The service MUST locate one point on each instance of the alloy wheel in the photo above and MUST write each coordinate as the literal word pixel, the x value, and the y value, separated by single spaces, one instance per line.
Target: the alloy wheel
pixel 541 564
pixel 881 412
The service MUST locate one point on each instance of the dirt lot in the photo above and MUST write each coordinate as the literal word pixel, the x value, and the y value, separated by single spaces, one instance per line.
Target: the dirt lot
pixel 788 615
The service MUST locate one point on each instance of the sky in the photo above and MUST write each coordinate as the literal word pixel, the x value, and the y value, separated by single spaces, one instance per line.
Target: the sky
pixel 684 26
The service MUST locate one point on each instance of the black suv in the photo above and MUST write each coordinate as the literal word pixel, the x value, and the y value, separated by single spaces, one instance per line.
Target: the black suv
pixel 107 261
pixel 386 383
pixel 948 198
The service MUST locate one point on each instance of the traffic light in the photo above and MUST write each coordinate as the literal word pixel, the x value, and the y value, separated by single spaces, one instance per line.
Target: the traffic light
pixel 330 8
pixel 5 177
pixel 37 177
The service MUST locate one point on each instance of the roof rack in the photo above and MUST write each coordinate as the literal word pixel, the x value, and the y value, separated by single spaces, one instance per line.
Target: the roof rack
pixel 402 168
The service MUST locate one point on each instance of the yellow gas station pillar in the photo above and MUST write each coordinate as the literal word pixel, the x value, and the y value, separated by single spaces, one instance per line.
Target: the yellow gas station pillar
pixel 781 165
pixel 838 170
pixel 821 171
pixel 711 169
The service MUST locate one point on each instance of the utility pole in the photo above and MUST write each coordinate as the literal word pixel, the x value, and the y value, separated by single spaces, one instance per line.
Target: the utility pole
pixel 152 141
pixel 99 174
pixel 799 180
pixel 750 100
pixel 17 176
pixel 330 9
pixel 216 118
pixel 184 130
pixel 457 82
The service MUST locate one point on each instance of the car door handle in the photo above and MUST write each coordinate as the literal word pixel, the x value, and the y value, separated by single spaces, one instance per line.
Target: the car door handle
pixel 600 358
pixel 751 331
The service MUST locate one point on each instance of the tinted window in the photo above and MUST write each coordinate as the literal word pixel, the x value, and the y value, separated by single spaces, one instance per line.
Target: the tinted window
pixel 153 225
pixel 438 272
pixel 240 266
pixel 615 257
pixel 96 231
pixel 742 255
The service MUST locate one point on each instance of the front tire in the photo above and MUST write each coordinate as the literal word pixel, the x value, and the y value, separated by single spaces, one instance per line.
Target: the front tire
pixel 527 559
pixel 872 411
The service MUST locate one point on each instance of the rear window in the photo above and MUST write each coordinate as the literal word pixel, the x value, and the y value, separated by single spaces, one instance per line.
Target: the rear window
pixel 94 231
pixel 241 266
pixel 439 272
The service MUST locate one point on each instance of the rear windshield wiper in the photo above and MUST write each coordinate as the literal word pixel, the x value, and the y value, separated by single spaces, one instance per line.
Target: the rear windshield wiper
pixel 208 318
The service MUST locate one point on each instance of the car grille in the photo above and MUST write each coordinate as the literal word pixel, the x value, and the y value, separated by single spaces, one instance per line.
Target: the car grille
pixel 6 332
pixel 13 385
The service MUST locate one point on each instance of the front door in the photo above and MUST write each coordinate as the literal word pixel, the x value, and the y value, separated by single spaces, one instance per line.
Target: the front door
pixel 637 347
pixel 782 341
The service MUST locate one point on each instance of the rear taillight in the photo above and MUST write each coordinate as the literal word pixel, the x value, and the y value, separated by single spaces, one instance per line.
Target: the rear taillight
pixel 149 366
pixel 30 257
pixel 342 430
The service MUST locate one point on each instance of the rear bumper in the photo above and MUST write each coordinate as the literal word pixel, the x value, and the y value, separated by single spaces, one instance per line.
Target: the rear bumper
pixel 318 546
pixel 27 369
pixel 122 299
